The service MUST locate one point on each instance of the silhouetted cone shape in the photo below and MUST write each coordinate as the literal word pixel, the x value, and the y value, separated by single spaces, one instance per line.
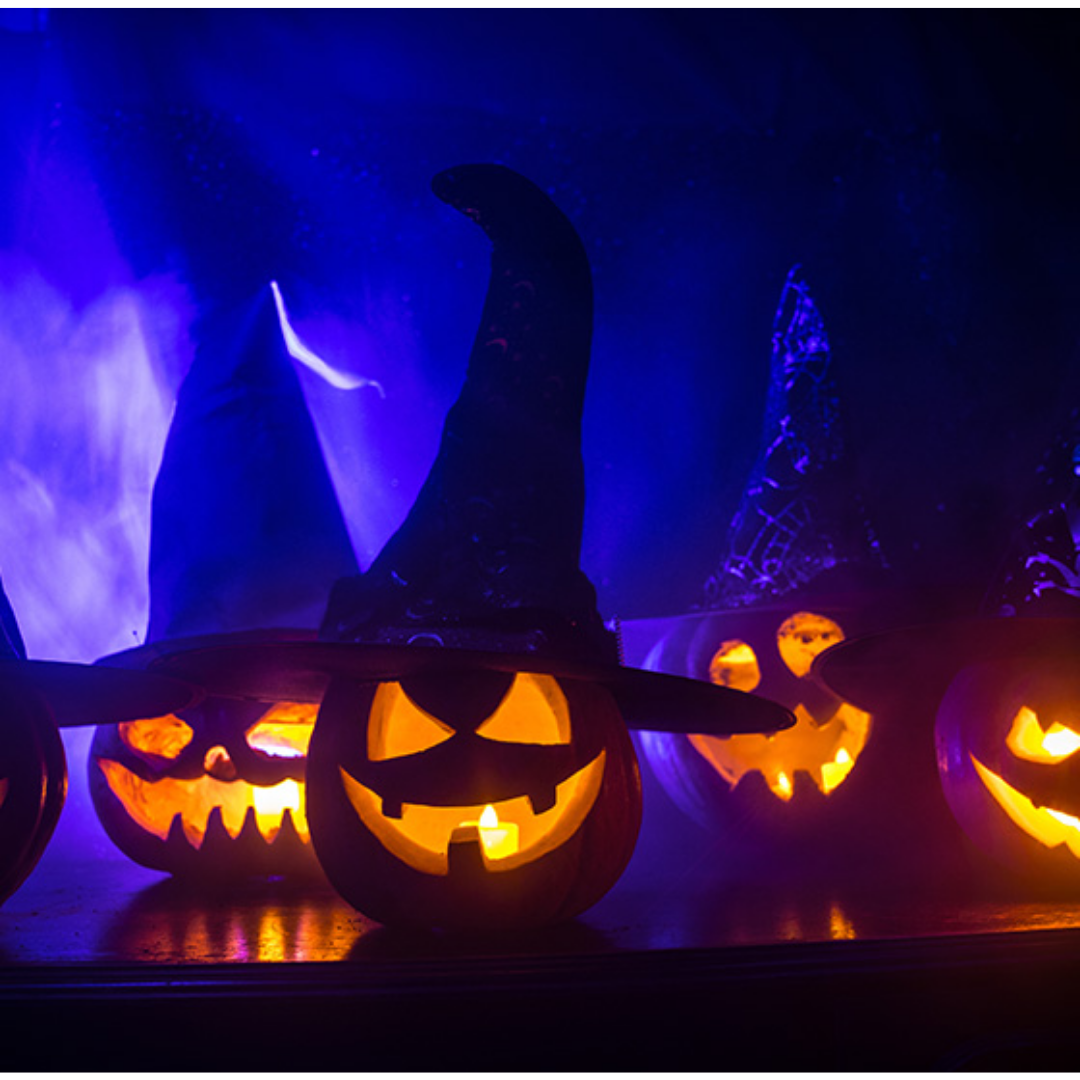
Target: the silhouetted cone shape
pixel 800 520
pixel 488 556
pixel 246 528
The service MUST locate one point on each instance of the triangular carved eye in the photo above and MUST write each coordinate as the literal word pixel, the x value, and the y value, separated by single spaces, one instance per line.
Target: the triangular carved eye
pixel 1028 740
pixel 534 711
pixel 735 665
pixel 398 727
pixel 284 731
pixel 160 737
pixel 802 637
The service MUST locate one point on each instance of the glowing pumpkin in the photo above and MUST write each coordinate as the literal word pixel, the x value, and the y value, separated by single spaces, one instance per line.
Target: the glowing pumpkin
pixel 215 790
pixel 779 777
pixel 1008 748
pixel 33 782
pixel 481 799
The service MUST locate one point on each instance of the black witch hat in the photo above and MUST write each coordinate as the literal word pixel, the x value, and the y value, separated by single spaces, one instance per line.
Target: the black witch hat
pixel 80 694
pixel 800 527
pixel 247 536
pixel 1032 605
pixel 484 572
pixel 800 539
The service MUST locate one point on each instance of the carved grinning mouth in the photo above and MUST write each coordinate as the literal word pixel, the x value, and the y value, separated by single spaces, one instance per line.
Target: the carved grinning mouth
pixel 421 835
pixel 154 806
pixel 1049 827
pixel 826 752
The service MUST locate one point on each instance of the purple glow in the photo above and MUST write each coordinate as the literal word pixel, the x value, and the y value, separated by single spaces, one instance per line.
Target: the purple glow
pixel 84 413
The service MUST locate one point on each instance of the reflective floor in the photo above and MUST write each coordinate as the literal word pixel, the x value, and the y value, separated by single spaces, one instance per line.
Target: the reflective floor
pixel 891 955
pixel 87 902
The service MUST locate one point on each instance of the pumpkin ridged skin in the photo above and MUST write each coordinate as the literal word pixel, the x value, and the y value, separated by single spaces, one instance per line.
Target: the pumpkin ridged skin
pixel 33 762
pixel 556 886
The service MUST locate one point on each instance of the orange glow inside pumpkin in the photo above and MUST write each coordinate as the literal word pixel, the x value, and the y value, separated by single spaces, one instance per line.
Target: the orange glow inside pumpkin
pixel 1049 827
pixel 1028 741
pixel 735 665
pixel 804 636
pixel 158 737
pixel 283 731
pixel 826 752
pixel 510 835
pixel 535 712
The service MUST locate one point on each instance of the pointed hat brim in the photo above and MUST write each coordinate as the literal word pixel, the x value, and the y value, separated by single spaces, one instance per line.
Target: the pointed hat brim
pixel 81 694
pixel 301 671
pixel 875 670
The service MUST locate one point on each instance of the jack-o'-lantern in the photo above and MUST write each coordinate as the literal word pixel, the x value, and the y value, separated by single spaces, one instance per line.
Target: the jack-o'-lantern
pixel 482 799
pixel 1001 689
pixel 471 765
pixel 33 781
pixel 801 571
pixel 1007 737
pixel 216 790
pixel 778 776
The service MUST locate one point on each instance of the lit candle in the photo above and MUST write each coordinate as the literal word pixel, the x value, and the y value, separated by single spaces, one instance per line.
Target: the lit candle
pixel 499 840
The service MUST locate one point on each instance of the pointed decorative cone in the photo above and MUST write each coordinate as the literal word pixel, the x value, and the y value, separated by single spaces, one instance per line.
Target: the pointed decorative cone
pixel 488 555
pixel 801 520
pixel 246 541
pixel 1031 606
pixel 246 529
pixel 486 563
pixel 800 541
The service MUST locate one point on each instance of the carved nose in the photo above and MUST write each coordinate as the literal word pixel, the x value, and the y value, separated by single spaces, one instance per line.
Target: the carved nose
pixel 218 764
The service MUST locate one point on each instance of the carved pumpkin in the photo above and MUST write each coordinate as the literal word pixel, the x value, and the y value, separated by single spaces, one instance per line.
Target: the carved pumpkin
pixel 777 777
pixel 471 764
pixel 1008 736
pixel 215 790
pixel 481 799
pixel 218 790
pixel 33 782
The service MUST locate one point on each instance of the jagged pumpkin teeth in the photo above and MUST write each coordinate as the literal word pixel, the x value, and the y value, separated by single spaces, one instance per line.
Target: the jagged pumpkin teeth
pixel 155 806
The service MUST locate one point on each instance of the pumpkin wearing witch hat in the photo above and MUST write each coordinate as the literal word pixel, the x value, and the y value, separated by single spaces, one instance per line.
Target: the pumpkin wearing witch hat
pixel 246 541
pixel 1007 689
pixel 802 570
pixel 471 765
pixel 36 696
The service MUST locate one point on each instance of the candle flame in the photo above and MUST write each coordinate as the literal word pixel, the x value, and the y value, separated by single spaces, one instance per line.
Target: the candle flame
pixel 489 819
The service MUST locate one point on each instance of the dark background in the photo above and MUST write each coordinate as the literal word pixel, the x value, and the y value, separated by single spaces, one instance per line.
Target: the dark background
pixel 921 165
